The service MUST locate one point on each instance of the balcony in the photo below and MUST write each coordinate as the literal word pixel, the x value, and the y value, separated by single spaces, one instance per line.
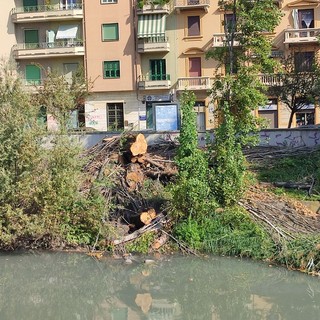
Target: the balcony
pixel 194 83
pixel 154 82
pixel 153 44
pixel 296 36
pixel 191 5
pixel 153 9
pixel 48 50
pixel 47 13
pixel 219 40
pixel 271 80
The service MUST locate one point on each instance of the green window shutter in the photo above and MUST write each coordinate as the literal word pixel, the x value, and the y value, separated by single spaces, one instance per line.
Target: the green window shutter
pixel 110 32
pixel 111 69
pixel 33 74
pixel 31 39
pixel 158 69
pixel 30 5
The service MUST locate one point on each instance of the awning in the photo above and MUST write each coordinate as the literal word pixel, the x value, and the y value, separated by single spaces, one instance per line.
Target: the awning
pixel 67 32
pixel 150 25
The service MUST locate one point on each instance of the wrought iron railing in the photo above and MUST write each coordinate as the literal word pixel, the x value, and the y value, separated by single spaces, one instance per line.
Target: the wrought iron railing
pixel 48 45
pixel 186 3
pixel 44 8
pixel 154 77
pixel 154 39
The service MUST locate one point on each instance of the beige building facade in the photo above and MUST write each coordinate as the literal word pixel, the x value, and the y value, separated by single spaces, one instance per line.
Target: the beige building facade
pixel 141 57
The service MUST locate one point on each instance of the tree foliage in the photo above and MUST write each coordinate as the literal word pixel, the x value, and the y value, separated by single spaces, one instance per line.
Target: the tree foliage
pixel 296 88
pixel 245 55
pixel 40 200
pixel 191 191
pixel 60 96
pixel 228 163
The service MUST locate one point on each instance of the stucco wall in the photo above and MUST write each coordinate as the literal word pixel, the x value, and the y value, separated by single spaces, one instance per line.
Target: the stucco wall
pixel 292 138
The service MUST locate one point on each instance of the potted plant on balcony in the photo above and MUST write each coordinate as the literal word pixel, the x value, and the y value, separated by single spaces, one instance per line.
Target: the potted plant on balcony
pixel 152 3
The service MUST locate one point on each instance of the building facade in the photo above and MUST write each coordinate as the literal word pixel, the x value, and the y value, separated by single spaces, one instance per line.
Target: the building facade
pixel 141 55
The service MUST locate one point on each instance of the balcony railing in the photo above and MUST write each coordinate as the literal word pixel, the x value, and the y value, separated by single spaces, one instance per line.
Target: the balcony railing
pixel 191 4
pixel 301 35
pixel 153 8
pixel 194 83
pixel 153 44
pixel 205 83
pixel 271 80
pixel 47 12
pixel 48 49
pixel 219 40
pixel 154 81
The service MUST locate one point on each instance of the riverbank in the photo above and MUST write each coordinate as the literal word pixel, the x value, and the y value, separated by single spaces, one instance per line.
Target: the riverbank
pixel 265 225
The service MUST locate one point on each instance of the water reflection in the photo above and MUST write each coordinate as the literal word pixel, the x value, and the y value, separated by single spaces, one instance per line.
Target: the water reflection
pixel 74 286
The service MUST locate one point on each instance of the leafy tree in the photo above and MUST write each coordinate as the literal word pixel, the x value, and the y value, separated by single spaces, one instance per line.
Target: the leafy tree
pixel 228 163
pixel 40 200
pixel 295 87
pixel 191 192
pixel 60 96
pixel 245 55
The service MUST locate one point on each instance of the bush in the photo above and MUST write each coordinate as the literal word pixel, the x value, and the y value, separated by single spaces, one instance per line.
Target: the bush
pixel 229 233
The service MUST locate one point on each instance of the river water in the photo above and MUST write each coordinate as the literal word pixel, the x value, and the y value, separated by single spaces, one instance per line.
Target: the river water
pixel 75 286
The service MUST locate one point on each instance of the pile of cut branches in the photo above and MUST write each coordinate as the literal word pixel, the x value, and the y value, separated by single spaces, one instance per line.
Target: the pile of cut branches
pixel 125 169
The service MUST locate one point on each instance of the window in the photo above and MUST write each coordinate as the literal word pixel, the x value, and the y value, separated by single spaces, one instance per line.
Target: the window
pixel 229 22
pixel 69 70
pixel 306 19
pixel 111 69
pixel 269 112
pixel 193 26
pixel 158 69
pixel 109 1
pixel 115 116
pixel 110 32
pixel 303 61
pixel 33 74
pixel 195 67
pixel 31 38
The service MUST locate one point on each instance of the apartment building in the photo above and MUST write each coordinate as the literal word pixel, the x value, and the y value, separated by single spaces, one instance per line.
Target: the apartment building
pixel 142 55
pixel 111 63
pixel 295 36
pixel 48 37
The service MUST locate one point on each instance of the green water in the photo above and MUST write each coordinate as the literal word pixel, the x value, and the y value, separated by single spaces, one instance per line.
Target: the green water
pixel 74 286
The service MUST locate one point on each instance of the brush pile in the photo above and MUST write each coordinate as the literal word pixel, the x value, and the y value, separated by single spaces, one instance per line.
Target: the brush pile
pixel 127 171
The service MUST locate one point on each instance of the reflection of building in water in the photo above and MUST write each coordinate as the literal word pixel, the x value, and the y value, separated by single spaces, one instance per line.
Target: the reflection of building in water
pixel 161 309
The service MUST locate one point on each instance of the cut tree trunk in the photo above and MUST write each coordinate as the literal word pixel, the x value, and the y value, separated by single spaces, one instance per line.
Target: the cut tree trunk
pixel 142 219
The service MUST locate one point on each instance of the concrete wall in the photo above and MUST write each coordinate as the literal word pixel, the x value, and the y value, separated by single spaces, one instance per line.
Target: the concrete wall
pixel 292 138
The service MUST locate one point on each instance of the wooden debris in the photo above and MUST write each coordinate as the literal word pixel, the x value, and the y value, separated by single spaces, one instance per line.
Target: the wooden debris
pixel 141 219
pixel 160 241
pixel 153 226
